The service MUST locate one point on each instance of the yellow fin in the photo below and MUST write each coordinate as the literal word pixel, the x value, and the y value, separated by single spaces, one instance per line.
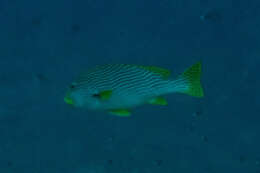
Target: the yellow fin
pixel 158 101
pixel 165 73
pixel 120 112
pixel 105 95
pixel 192 75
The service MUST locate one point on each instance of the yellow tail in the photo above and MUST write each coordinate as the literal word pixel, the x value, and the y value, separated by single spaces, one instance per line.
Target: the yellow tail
pixel 191 78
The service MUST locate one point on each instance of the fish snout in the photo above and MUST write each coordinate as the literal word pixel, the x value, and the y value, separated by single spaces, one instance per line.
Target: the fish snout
pixel 68 99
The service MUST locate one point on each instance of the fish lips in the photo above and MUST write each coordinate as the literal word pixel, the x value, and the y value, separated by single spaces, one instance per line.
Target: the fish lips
pixel 68 99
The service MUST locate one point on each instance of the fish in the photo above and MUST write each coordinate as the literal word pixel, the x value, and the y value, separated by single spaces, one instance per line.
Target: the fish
pixel 119 88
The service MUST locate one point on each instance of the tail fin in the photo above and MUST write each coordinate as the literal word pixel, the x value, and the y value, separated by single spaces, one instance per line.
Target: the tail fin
pixel 189 81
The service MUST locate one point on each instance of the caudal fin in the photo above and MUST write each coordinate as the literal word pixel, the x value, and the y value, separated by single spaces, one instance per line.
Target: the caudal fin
pixel 189 81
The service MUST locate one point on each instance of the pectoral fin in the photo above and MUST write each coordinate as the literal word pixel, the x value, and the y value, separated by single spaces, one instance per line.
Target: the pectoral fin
pixel 105 95
pixel 120 112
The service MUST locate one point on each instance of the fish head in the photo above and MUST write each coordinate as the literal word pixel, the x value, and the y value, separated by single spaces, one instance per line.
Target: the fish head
pixel 84 97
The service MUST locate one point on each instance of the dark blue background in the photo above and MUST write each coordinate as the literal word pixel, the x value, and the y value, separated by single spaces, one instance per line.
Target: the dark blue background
pixel 45 44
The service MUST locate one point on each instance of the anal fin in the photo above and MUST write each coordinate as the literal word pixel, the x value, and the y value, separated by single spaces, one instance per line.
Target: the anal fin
pixel 158 101
pixel 120 112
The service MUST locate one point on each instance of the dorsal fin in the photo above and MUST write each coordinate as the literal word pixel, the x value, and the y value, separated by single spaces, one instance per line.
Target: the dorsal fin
pixel 165 73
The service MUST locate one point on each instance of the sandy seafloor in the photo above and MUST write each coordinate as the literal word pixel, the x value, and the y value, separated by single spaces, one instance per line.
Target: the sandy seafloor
pixel 44 44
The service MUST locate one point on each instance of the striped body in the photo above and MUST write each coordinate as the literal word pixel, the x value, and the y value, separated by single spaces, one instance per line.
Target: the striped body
pixel 130 86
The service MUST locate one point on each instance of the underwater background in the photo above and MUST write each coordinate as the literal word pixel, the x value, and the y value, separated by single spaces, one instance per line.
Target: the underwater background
pixel 44 44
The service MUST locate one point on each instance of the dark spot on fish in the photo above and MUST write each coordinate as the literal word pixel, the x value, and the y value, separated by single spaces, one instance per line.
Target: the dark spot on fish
pixel 75 28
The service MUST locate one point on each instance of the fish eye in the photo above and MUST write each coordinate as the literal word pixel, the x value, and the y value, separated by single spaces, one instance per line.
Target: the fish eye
pixel 95 95
pixel 72 86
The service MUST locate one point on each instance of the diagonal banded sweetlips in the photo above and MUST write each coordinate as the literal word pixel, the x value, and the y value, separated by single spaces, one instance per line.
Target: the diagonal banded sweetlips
pixel 118 88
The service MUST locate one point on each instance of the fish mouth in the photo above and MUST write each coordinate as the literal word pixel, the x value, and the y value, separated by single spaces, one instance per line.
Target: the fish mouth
pixel 68 100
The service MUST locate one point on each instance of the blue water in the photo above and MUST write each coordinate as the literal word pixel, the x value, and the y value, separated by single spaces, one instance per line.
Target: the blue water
pixel 46 43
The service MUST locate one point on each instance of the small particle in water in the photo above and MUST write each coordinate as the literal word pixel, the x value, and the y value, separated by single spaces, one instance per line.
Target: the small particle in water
pixel 110 161
pixel 242 158
pixel 191 128
pixel 110 139
pixel 75 28
pixel 41 77
pixel 158 162
pixel 212 15
pixel 122 33
pixel 37 21
pixel 9 163
pixel 205 138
